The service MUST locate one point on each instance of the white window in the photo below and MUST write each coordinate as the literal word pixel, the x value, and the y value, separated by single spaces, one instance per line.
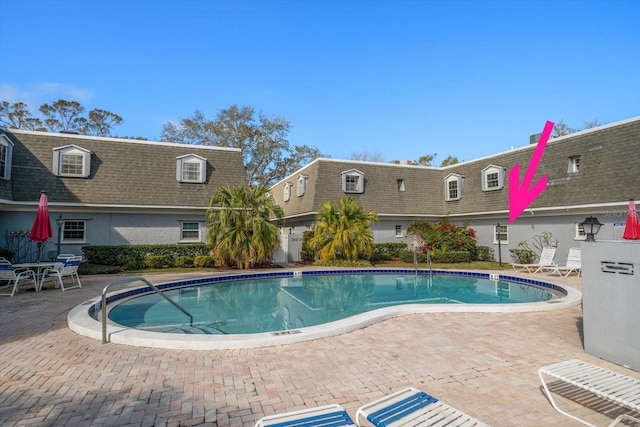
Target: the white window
pixel 580 234
pixel 6 149
pixel 286 192
pixel 453 187
pixel 399 231
pixel 573 164
pixel 501 234
pixel 72 160
pixel 74 231
pixel 492 178
pixel 190 231
pixel 353 181
pixel 400 184
pixel 191 168
pixel 302 185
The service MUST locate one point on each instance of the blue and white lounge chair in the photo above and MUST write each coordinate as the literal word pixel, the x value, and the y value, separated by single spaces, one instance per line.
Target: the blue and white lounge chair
pixel 15 280
pixel 325 416
pixel 412 407
pixel 67 268
pixel 546 260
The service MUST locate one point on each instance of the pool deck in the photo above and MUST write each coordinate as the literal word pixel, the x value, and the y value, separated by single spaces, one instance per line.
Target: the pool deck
pixel 484 364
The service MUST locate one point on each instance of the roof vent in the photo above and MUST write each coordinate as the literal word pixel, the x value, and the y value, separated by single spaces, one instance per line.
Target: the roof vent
pixel 70 132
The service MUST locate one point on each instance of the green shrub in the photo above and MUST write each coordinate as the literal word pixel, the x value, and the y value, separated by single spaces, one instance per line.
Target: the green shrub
pixel 523 256
pixel 155 261
pixel 484 253
pixel 407 256
pixel 6 253
pixel 452 256
pixel 343 263
pixel 183 262
pixel 204 261
pixel 387 251
pixel 306 254
pixel 129 255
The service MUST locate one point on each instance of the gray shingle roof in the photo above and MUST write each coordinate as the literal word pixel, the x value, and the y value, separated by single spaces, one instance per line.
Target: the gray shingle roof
pixel 123 172
pixel 609 172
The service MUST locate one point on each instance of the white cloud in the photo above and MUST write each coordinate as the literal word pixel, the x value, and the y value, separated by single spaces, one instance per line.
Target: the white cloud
pixel 44 92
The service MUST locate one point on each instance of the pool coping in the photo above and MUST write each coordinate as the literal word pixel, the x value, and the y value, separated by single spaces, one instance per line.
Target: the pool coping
pixel 82 318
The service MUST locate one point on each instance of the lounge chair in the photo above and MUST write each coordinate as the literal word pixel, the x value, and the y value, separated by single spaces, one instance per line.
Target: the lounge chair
pixel 62 270
pixel 326 416
pixel 604 383
pixel 8 274
pixel 574 263
pixel 412 407
pixel 546 260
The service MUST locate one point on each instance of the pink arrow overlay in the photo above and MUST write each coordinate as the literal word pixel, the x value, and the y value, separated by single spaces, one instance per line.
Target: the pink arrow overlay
pixel 520 196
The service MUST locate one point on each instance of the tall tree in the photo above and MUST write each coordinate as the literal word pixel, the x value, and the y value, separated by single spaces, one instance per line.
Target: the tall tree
pixel 366 156
pixel 241 231
pixel 450 160
pixel 18 116
pixel 268 156
pixel 60 115
pixel 562 129
pixel 344 233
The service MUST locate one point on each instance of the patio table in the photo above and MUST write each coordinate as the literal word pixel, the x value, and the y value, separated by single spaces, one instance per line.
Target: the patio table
pixel 38 267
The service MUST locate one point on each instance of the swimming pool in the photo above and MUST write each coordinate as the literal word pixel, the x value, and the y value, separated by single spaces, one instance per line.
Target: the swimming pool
pixel 280 307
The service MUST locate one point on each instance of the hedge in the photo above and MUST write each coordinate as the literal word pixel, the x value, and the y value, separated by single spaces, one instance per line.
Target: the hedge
pixel 133 257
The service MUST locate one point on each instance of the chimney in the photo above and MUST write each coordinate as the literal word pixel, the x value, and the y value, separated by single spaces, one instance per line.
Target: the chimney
pixel 533 139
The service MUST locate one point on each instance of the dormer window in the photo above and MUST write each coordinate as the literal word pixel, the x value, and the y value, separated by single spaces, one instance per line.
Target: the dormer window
pixel 353 181
pixel 492 178
pixel 286 191
pixel 72 161
pixel 302 185
pixel 191 168
pixel 6 150
pixel 400 183
pixel 574 164
pixel 453 187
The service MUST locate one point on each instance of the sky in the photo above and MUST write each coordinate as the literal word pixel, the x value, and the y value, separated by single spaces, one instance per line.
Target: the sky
pixel 397 79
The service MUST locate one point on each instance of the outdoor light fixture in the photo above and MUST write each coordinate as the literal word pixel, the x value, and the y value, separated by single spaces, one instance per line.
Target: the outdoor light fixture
pixel 591 226
pixel 60 223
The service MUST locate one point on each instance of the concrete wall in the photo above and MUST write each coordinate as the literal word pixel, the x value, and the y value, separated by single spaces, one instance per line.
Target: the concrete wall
pixel 610 301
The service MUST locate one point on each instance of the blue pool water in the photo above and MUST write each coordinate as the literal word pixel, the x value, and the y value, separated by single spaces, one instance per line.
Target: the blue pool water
pixel 270 304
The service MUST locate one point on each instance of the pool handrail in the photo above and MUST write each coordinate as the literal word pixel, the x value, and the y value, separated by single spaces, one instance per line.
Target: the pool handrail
pixel 131 280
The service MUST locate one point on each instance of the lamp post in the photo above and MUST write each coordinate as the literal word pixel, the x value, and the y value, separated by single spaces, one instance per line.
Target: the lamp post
pixel 591 226
pixel 60 223
pixel 499 244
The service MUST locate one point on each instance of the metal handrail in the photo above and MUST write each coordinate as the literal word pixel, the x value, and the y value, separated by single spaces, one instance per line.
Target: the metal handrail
pixel 129 280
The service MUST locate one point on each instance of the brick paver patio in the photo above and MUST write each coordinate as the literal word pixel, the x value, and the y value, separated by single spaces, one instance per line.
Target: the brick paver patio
pixel 482 363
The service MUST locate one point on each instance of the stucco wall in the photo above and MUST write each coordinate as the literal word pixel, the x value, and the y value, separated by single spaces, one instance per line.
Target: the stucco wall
pixel 610 302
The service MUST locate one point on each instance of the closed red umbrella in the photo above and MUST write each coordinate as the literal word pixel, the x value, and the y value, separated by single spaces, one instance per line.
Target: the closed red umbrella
pixel 632 228
pixel 41 230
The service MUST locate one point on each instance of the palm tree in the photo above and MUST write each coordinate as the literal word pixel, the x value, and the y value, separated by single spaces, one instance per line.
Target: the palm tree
pixel 344 233
pixel 241 231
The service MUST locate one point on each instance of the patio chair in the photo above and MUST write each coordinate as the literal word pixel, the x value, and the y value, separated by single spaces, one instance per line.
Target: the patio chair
pixel 412 407
pixel 62 270
pixel 546 260
pixel 329 416
pixel 574 263
pixel 8 274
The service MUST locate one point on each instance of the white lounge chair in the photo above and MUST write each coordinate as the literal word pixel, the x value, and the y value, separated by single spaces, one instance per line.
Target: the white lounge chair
pixel 62 270
pixel 15 280
pixel 546 260
pixel 604 383
pixel 574 263
pixel 329 416
pixel 412 407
